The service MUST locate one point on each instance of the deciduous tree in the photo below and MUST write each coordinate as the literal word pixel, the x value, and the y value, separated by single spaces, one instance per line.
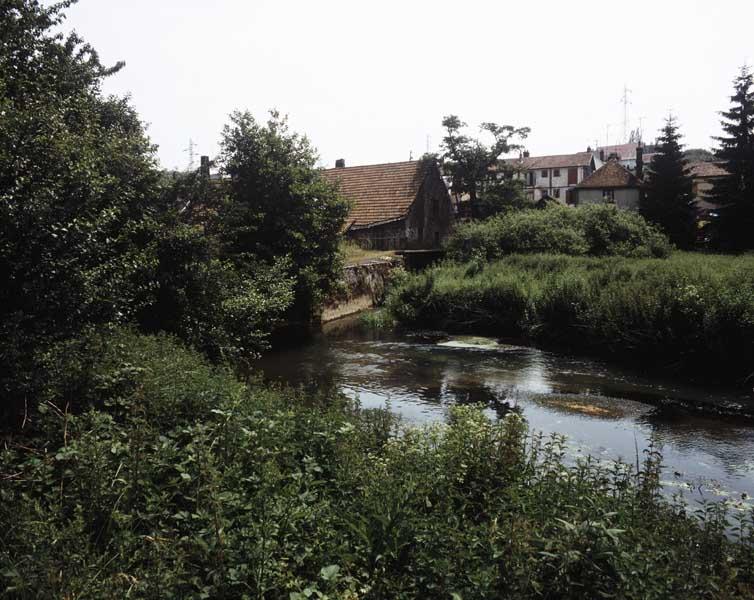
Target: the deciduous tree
pixel 474 166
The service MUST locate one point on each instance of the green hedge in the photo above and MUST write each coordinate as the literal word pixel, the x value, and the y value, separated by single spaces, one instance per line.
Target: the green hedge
pixel 590 230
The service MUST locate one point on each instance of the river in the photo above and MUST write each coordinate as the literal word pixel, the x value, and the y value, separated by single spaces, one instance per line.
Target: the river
pixel 605 411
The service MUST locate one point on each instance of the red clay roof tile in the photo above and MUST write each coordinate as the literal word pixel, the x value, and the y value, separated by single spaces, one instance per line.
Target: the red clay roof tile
pixel 379 193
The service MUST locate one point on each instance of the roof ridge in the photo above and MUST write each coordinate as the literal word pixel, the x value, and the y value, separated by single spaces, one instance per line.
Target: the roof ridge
pixel 400 162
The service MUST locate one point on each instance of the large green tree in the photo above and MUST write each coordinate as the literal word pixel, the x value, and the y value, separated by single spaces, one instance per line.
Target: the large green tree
pixel 278 206
pixel 668 201
pixel 735 192
pixel 77 175
pixel 475 167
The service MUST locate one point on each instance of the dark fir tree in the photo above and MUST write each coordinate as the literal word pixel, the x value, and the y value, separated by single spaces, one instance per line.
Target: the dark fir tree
pixel 735 193
pixel 668 200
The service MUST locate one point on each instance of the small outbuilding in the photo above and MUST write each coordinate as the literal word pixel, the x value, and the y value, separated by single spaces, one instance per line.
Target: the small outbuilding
pixel 395 206
pixel 612 183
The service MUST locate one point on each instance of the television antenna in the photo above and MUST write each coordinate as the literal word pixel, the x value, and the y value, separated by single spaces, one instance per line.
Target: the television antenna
pixel 626 100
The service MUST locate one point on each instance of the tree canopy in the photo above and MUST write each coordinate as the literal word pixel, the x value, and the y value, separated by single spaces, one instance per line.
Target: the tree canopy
pixel 279 205
pixel 735 192
pixel 475 167
pixel 668 200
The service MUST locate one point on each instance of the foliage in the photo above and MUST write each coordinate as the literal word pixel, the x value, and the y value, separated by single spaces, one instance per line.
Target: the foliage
pixel 278 205
pixel 691 313
pixel 75 189
pixel 588 230
pixel 225 312
pixel 668 201
pixel 698 155
pixel 474 167
pixel 735 192
pixel 185 483
pixel 501 196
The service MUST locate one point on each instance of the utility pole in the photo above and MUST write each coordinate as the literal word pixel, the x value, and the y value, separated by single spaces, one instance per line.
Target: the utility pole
pixel 192 154
pixel 626 101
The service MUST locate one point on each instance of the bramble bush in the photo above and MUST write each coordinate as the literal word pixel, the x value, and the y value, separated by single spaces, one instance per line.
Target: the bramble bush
pixel 584 231
pixel 169 478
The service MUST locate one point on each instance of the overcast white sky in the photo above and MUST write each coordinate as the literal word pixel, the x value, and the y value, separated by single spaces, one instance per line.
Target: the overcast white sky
pixel 369 81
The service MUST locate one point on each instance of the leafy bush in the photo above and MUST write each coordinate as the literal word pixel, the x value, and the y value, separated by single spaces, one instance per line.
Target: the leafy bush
pixel 689 312
pixel 185 483
pixel 589 230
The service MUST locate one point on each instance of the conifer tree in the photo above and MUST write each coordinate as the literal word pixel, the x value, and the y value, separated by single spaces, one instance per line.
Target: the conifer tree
pixel 668 201
pixel 735 192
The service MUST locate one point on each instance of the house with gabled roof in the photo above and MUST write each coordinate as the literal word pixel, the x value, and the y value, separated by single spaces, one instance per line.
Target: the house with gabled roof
pixel 552 176
pixel 612 183
pixel 403 205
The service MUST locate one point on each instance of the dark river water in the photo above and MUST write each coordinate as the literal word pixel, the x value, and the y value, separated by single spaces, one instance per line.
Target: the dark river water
pixel 604 410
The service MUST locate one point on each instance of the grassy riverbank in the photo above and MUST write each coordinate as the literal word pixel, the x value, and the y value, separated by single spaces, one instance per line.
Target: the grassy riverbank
pixel 689 312
pixel 171 479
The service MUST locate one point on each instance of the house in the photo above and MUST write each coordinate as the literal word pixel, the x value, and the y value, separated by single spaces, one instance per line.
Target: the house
pixel 403 205
pixel 629 155
pixel 703 178
pixel 552 176
pixel 612 183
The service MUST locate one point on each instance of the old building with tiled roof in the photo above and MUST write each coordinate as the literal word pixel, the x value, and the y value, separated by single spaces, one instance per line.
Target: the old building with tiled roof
pixel 612 183
pixel 552 176
pixel 395 205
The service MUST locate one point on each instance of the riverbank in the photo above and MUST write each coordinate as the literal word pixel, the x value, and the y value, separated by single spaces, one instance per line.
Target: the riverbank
pixel 174 479
pixel 689 314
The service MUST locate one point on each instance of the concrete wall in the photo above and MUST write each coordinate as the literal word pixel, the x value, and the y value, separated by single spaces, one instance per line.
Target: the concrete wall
pixel 625 198
pixel 363 287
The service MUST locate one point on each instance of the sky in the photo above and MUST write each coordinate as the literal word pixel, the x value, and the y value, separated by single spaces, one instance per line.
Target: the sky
pixel 371 81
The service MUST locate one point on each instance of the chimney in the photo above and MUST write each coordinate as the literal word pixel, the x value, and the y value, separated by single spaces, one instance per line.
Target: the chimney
pixel 526 154
pixel 602 154
pixel 340 163
pixel 589 149
pixel 639 161
pixel 204 167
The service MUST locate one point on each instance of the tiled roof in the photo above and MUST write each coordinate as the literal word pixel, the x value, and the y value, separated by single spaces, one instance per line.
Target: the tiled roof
pixel 610 175
pixel 378 193
pixel 706 169
pixel 556 161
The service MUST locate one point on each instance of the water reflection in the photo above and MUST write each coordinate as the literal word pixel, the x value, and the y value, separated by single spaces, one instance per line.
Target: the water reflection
pixel 605 411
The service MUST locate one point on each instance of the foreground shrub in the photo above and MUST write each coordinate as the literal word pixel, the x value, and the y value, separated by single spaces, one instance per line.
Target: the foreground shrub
pixel 589 230
pixel 690 312
pixel 189 484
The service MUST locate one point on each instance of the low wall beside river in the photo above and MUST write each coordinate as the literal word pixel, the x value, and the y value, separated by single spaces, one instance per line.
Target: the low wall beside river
pixel 363 287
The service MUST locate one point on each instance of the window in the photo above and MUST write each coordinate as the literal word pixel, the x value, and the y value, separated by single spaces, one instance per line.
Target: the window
pixel 435 206
pixel 556 173
pixel 608 195
pixel 544 173
pixel 437 239
pixel 556 193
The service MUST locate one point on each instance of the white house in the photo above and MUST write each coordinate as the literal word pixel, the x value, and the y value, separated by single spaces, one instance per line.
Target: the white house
pixel 612 183
pixel 552 176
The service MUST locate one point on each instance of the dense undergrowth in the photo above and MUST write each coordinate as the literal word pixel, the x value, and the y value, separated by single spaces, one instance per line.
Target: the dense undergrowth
pixel 690 312
pixel 600 230
pixel 174 480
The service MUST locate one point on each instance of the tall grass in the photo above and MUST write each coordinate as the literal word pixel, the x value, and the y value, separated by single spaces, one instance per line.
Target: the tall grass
pixel 689 312
pixel 251 492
